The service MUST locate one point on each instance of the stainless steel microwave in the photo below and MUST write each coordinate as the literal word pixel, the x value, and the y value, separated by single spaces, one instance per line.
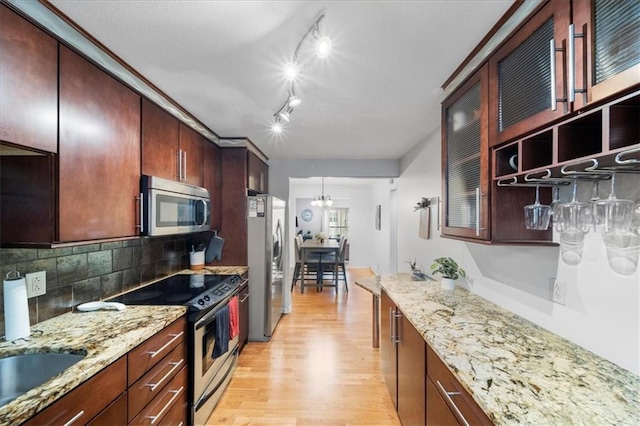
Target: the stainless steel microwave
pixel 170 207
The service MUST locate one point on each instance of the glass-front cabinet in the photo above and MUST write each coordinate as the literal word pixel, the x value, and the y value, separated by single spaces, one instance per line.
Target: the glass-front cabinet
pixel 465 161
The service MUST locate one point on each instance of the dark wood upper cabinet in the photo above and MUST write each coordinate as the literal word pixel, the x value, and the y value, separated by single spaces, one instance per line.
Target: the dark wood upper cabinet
pixel 29 82
pixel 607 48
pixel 192 151
pixel 99 156
pixel 213 181
pixel 524 75
pixel 257 174
pixel 160 141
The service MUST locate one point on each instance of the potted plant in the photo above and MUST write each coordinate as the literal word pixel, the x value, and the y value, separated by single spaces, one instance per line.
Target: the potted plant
pixel 450 271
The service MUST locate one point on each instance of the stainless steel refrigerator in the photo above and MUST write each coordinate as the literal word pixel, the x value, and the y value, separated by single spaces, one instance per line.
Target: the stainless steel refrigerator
pixel 266 248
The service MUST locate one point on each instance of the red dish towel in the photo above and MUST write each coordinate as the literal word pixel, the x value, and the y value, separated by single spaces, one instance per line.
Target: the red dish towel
pixel 234 317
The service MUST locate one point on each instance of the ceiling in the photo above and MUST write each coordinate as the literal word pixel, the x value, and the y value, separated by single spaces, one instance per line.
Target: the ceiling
pixel 374 97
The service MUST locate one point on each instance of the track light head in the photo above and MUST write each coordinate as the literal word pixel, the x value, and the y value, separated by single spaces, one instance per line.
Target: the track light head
pixel 276 127
pixel 323 47
pixel 291 71
pixel 285 115
pixel 294 101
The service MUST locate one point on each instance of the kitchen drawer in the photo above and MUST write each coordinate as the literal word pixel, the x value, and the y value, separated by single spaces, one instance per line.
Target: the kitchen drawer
pixel 455 396
pixel 87 400
pixel 177 416
pixel 153 382
pixel 114 414
pixel 149 353
pixel 164 402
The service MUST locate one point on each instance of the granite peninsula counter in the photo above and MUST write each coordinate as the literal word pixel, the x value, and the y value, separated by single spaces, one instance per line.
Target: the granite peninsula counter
pixel 517 372
pixel 104 336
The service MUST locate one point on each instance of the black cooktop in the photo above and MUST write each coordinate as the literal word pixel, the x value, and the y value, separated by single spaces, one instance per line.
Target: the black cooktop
pixel 199 292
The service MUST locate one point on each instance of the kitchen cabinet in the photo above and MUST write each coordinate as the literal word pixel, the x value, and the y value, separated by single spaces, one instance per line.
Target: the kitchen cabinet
pixel 515 106
pixel 404 365
pixel 213 181
pixel 170 148
pixel 257 175
pixel 606 57
pixel 243 310
pixel 29 82
pixel 83 403
pixel 149 383
pixel 99 153
pixel 448 402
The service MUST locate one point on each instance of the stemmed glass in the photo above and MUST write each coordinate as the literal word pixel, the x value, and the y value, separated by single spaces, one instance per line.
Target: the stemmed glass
pixel 555 203
pixel 612 214
pixel 573 222
pixel 537 215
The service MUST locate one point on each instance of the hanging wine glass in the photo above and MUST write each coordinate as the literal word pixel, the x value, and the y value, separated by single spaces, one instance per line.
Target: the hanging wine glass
pixel 574 216
pixel 536 216
pixel 612 214
pixel 555 203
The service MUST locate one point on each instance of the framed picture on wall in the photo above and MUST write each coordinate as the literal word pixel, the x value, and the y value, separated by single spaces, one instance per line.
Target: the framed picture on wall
pixel 378 217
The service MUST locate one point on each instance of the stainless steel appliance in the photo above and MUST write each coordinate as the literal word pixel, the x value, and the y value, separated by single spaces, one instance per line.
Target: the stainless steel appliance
pixel 266 246
pixel 170 207
pixel 205 296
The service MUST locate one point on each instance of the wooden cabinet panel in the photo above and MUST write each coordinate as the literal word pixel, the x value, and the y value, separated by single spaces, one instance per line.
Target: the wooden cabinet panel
pixel 438 413
pixel 192 148
pixel 243 308
pixel 160 142
pixel 411 374
pixel 388 353
pixel 234 209
pixel 213 181
pixel 29 82
pixel 257 174
pixel 114 414
pixel 84 402
pixel 444 382
pixel 152 383
pixel 99 161
pixel 171 395
pixel 150 352
pixel 178 415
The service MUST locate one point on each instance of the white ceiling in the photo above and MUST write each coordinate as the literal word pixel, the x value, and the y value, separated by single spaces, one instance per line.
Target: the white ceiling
pixel 375 97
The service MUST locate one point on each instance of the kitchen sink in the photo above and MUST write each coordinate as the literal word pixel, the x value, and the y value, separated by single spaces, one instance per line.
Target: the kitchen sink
pixel 21 373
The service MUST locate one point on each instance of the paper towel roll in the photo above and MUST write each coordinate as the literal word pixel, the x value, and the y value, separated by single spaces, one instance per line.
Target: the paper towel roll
pixel 16 308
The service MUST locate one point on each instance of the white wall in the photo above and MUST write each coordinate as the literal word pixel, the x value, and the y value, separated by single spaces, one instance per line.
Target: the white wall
pixel 602 307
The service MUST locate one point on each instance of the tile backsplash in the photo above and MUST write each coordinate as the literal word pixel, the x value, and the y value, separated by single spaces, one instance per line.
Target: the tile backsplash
pixel 97 271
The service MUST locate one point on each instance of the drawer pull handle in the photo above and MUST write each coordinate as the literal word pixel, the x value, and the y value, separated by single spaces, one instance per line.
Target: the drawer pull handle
pixel 175 393
pixel 166 345
pixel 176 365
pixel 76 417
pixel 244 298
pixel 447 396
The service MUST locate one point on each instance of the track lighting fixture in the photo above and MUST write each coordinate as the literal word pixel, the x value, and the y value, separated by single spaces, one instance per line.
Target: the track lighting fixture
pixel 293 69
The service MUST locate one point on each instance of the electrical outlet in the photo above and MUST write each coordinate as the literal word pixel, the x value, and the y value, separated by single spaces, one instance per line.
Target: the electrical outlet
pixel 36 283
pixel 559 291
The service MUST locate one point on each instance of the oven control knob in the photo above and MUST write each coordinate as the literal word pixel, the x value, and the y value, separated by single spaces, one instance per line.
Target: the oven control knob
pixel 207 298
pixel 200 302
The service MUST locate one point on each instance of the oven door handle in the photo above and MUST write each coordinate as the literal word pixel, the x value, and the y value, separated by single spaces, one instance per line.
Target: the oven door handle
pixel 208 395
pixel 210 316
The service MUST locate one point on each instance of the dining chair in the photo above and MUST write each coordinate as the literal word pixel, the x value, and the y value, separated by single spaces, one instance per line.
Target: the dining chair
pixel 333 267
pixel 312 263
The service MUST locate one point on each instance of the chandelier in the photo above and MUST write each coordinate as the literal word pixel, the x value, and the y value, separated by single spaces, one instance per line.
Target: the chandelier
pixel 294 68
pixel 322 200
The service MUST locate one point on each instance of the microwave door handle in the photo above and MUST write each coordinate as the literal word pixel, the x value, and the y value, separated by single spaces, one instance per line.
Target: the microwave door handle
pixel 205 215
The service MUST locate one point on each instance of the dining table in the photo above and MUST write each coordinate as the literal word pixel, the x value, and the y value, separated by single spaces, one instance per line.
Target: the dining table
pixel 325 248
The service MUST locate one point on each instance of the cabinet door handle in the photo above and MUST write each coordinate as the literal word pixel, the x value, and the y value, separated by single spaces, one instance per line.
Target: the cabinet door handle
pixel 179 155
pixel 74 418
pixel 571 72
pixel 175 393
pixel 397 315
pixel 447 397
pixel 478 215
pixel 391 316
pixel 166 345
pixel 552 62
pixel 176 365
pixel 184 168
pixel 141 203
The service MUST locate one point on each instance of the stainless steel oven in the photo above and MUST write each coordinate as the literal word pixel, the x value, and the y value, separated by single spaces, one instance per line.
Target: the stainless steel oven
pixel 170 207
pixel 206 296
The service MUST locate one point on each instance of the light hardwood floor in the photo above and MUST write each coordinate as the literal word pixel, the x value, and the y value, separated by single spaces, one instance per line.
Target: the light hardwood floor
pixel 318 369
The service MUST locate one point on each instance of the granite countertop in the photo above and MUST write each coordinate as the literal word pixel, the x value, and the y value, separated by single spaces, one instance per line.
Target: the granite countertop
pixel 218 270
pixel 371 284
pixel 104 336
pixel 517 372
